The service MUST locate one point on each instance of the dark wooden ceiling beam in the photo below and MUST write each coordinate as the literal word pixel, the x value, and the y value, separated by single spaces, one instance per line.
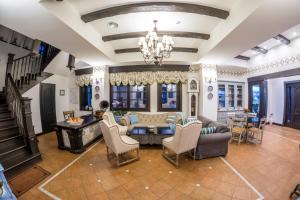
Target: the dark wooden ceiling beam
pixel 175 49
pixel 195 35
pixel 155 7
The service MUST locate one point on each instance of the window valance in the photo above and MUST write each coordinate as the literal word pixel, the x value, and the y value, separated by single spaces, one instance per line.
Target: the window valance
pixel 144 78
pixel 84 80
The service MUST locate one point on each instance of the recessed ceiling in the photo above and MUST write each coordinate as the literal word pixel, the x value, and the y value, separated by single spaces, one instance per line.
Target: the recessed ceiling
pixel 271 43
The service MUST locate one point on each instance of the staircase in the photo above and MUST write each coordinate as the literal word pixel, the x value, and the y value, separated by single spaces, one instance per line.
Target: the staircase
pixel 27 71
pixel 15 153
pixel 18 142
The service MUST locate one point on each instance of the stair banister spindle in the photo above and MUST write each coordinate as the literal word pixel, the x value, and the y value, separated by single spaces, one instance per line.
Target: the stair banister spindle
pixel 27 67
pixel 22 71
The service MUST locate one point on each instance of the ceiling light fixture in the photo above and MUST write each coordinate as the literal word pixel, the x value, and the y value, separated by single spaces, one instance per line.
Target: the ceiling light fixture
pixel 154 50
pixel 260 50
pixel 282 39
pixel 112 25
pixel 295 34
pixel 242 57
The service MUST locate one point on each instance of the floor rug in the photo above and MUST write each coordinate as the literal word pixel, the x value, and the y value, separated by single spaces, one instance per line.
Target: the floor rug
pixel 27 179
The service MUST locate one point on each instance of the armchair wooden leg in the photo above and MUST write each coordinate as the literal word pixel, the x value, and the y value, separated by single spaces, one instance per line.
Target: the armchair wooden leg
pixel 194 156
pixel 138 153
pixel 177 160
pixel 118 160
pixel 107 152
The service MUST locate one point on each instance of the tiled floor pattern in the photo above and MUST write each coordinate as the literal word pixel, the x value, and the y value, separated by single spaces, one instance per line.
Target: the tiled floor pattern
pixel 272 167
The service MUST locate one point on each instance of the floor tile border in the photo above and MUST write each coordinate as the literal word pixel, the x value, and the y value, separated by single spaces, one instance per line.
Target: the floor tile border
pixel 260 196
pixel 41 187
pixel 49 194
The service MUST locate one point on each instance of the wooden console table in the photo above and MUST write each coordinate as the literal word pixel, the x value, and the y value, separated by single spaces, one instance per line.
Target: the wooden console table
pixel 76 138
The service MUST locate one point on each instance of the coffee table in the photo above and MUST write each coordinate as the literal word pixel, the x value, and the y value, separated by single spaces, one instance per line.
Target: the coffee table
pixel 151 134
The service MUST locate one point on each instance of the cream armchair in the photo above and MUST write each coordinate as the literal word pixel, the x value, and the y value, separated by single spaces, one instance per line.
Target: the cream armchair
pixel 185 139
pixel 109 117
pixel 118 144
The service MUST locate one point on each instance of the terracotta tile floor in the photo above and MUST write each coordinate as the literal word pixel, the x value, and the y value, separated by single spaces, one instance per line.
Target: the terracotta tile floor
pixel 273 168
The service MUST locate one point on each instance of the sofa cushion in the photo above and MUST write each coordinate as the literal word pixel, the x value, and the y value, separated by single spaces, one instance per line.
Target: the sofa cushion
pixel 208 130
pixel 222 129
pixel 171 119
pixel 134 119
pixel 205 121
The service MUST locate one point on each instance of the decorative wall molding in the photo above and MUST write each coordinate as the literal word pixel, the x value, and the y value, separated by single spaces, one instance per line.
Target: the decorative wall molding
pixel 279 65
pixel 275 66
pixel 225 72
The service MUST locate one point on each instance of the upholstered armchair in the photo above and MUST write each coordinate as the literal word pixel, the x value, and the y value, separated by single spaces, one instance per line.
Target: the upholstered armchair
pixel 185 139
pixel 109 117
pixel 118 144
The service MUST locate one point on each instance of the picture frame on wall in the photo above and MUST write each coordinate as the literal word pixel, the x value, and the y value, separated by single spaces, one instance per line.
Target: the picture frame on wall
pixel 62 92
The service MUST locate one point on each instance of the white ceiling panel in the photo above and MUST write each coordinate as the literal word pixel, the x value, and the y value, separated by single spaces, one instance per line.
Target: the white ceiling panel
pixel 133 43
pixel 85 6
pixel 166 21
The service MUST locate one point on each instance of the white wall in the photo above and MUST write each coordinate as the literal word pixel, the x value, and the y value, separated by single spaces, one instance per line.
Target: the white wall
pixel 276 97
pixel 63 80
pixel 208 107
pixel 61 102
pixel 5 49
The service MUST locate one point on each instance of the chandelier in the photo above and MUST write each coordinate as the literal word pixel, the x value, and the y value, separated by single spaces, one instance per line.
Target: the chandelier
pixel 154 50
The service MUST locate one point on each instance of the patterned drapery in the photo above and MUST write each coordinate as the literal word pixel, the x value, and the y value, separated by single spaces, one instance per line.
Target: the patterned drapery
pixel 84 80
pixel 144 78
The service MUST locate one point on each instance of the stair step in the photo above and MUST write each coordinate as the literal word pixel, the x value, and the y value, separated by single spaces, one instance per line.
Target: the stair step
pixel 8 131
pixel 9 137
pixel 10 146
pixel 18 161
pixel 3 105
pixel 5 115
pixel 7 121
pixel 3 109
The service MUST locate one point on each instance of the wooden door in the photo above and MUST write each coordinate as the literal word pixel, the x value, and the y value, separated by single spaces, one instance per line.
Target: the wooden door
pixel 47 106
pixel 292 107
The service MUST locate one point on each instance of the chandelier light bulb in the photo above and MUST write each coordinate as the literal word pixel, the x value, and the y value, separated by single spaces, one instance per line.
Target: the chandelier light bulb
pixel 153 49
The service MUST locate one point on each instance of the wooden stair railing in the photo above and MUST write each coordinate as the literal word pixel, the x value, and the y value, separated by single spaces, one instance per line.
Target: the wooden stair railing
pixel 28 68
pixel 21 111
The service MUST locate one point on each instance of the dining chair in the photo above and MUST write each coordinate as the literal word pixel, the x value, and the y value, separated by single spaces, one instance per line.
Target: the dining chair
pixel 109 117
pixel 238 130
pixel 184 140
pixel 68 114
pixel 296 192
pixel 118 144
pixel 255 135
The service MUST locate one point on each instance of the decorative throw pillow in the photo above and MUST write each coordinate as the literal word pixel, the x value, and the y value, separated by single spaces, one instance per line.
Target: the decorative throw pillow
pixel 134 119
pixel 171 119
pixel 189 119
pixel 222 129
pixel 208 130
